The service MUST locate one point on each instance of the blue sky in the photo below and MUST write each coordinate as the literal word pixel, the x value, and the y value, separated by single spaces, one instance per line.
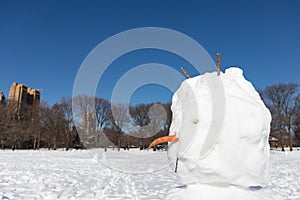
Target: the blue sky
pixel 43 43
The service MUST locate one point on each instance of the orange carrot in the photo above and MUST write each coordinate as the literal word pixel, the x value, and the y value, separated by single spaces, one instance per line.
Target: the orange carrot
pixel 170 138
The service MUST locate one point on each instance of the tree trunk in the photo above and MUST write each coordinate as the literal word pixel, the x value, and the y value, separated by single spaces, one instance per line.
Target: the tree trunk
pixel 34 142
pixel 54 144
pixel 39 141
pixel 281 141
pixel 68 140
pixel 119 142
pixel 141 144
pixel 290 137
pixel 291 143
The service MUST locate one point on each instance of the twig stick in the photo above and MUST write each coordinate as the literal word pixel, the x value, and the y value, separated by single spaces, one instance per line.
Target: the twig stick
pixel 176 166
pixel 219 63
pixel 185 73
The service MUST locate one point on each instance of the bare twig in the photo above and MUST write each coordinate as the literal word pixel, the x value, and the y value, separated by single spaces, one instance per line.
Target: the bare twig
pixel 219 63
pixel 185 73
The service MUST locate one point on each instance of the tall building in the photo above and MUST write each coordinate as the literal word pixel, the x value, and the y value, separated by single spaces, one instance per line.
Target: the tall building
pixel 23 100
pixel 89 121
pixel 2 98
pixel 88 127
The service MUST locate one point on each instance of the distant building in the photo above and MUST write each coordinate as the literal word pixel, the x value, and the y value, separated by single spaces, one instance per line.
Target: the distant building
pixel 89 121
pixel 22 101
pixel 2 98
pixel 88 127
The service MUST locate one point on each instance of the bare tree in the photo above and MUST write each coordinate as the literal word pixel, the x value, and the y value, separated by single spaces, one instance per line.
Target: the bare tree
pixel 4 125
pixel 66 104
pixel 34 129
pixel 151 120
pixel 103 112
pixel 121 120
pixel 280 99
pixel 55 125
pixel 296 121
pixel 104 120
pixel 140 116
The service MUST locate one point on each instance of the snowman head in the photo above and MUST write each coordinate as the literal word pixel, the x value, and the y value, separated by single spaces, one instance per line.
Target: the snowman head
pixel 222 127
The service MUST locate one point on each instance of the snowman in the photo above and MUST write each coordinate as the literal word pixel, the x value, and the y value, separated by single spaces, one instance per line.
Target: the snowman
pixel 218 142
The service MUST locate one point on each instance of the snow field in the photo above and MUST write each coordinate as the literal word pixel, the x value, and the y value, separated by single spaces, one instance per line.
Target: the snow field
pixel 284 175
pixel 74 174
pixel 78 175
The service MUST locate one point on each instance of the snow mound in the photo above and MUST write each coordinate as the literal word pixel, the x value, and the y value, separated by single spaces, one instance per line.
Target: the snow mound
pixel 223 128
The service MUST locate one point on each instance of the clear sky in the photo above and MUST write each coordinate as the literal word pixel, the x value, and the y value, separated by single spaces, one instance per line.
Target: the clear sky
pixel 43 43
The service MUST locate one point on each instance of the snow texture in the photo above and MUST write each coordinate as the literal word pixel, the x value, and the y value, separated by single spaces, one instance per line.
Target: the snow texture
pixel 43 174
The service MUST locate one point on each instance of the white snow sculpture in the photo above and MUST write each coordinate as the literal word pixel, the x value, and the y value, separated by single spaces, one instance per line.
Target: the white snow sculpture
pixel 220 144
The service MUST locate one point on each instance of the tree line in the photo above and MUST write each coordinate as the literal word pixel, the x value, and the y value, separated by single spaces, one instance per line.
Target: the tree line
pixel 80 122
pixel 86 122
pixel 283 101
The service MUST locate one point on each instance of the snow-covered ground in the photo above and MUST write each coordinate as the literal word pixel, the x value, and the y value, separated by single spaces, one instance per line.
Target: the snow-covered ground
pixel 113 175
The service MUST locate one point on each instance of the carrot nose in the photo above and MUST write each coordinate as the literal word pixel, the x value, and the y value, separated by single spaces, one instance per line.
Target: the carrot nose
pixel 170 138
